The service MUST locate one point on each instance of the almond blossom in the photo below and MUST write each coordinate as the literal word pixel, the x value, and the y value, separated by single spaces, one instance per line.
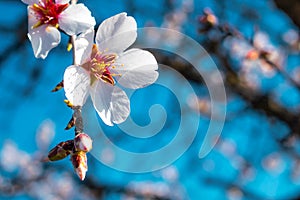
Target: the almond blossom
pixel 102 65
pixel 47 17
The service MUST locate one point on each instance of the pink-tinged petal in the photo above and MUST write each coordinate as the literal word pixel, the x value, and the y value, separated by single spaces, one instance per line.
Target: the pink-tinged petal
pixel 83 46
pixel 30 2
pixel 83 142
pixel 79 161
pixel 110 102
pixel 137 68
pixel 116 33
pixel 43 38
pixel 76 85
pixel 76 19
pixel 62 1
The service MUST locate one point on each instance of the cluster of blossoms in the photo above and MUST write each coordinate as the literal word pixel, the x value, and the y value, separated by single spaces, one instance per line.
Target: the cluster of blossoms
pixel 100 61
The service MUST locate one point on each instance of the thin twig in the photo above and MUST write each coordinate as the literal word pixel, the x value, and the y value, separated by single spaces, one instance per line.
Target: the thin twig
pixel 78 119
pixel 77 109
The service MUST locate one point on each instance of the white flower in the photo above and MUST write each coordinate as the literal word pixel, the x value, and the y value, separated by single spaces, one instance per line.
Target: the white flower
pixel 104 64
pixel 46 16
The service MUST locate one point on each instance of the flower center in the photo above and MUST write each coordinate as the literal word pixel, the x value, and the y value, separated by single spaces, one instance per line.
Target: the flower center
pixel 47 12
pixel 99 66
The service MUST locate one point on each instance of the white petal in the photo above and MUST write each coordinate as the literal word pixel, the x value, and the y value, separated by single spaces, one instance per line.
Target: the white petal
pixel 62 1
pixel 83 46
pixel 76 19
pixel 110 102
pixel 137 68
pixel 76 85
pixel 30 2
pixel 116 33
pixel 43 38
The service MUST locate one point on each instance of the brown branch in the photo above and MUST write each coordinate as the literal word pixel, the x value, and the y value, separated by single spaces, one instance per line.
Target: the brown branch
pixel 257 100
pixel 291 8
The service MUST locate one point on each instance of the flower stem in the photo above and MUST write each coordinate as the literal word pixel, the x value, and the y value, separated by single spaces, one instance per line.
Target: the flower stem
pixel 78 120
pixel 73 37
pixel 77 109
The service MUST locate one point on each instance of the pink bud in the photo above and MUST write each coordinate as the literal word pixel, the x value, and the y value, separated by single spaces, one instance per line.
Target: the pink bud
pixel 79 161
pixel 83 142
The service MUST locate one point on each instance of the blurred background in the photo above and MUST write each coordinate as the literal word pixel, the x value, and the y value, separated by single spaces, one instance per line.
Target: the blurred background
pixel 255 45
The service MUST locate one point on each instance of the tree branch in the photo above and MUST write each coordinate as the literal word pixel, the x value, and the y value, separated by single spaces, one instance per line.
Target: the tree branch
pixel 291 8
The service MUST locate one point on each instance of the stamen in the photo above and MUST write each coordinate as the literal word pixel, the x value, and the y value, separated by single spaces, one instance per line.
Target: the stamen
pixel 47 12
pixel 116 74
pixel 39 23
pixel 99 66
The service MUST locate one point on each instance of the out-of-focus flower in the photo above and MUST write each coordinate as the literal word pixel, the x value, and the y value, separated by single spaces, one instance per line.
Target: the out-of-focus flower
pixel 266 49
pixel 207 20
pixel 150 189
pixel 292 38
pixel 252 55
pixel 45 134
pixel 227 147
pixel 296 74
pixel 274 163
pixel 234 194
pixel 83 142
pixel 104 63
pixel 295 172
pixel 12 158
pixel 79 161
pixel 170 173
pixel 61 150
pixel 198 104
pixel 46 17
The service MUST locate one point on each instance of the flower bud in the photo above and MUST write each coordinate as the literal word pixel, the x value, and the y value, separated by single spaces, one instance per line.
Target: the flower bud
pixel 83 142
pixel 61 150
pixel 79 161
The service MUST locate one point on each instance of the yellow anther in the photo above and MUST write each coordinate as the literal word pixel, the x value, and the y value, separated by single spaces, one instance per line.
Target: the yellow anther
pixel 116 74
pixel 35 5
